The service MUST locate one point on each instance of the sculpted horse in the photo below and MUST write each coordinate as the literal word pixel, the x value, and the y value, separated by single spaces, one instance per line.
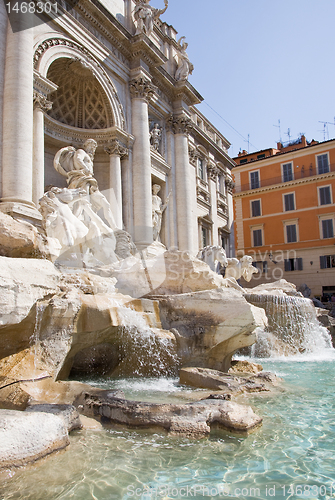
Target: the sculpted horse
pixel 214 256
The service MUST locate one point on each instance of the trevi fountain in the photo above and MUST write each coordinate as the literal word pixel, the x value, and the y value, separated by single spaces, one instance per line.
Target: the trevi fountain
pixel 130 373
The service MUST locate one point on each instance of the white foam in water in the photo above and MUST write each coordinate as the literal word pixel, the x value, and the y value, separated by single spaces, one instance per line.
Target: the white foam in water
pixel 293 333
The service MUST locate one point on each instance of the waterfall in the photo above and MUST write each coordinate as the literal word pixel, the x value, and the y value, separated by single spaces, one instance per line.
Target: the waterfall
pixel 292 328
pixel 148 351
pixel 35 338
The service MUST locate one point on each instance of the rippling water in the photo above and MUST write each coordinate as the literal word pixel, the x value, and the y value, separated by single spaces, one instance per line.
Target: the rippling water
pixel 291 456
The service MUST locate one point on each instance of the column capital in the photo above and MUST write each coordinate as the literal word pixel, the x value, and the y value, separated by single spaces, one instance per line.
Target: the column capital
pixel 140 88
pixel 213 172
pixel 116 148
pixel 41 102
pixel 230 184
pixel 181 124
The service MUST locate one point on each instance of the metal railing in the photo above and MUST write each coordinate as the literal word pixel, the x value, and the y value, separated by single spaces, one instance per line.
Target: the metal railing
pixel 302 173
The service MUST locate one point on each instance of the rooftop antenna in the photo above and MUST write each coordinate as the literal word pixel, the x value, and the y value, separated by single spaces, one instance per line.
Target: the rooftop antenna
pixel 278 126
pixel 289 134
pixel 325 126
pixel 248 141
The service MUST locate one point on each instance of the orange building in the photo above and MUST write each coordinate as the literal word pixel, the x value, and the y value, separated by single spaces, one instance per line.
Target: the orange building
pixel 285 213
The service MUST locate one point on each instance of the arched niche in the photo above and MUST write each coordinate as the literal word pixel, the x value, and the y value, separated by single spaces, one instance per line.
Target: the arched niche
pixel 85 105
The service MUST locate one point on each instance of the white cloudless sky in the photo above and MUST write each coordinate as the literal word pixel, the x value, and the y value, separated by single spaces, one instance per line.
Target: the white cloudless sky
pixel 260 61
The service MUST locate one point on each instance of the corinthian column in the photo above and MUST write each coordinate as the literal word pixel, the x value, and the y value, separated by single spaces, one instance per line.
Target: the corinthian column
pixel 141 91
pixel 41 104
pixel 181 125
pixel 17 151
pixel 115 151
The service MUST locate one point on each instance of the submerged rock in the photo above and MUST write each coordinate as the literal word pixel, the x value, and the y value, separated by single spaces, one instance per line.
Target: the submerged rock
pixel 26 437
pixel 227 382
pixel 192 419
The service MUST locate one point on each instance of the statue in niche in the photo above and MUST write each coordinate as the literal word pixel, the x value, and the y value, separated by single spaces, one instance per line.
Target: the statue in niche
pixel 184 65
pixel 156 136
pixel 145 15
pixel 157 211
pixel 70 215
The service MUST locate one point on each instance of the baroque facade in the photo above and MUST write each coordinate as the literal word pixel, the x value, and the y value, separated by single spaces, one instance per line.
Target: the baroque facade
pixel 113 71
pixel 285 213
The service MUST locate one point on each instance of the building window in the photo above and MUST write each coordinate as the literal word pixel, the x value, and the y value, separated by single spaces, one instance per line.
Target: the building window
pixel 291 233
pixel 327 261
pixel 221 184
pixel 260 157
pixel 287 172
pixel 255 208
pixel 254 180
pixel 201 168
pixel 289 202
pixel 322 162
pixel 327 228
pixel 257 237
pixel 325 195
pixel 293 264
pixel 244 160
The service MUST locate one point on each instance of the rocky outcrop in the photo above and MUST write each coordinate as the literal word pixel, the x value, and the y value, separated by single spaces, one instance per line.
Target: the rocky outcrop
pixel 244 366
pixel 227 382
pixel 26 437
pixel 68 413
pixel 280 287
pixel 210 326
pixel 21 239
pixel 193 419
pixel 171 272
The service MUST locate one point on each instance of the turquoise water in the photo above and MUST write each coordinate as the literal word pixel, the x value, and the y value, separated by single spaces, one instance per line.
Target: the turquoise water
pixel 291 456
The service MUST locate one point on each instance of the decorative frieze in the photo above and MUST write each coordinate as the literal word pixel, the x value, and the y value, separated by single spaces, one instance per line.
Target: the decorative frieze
pixel 140 88
pixel 41 102
pixel 116 148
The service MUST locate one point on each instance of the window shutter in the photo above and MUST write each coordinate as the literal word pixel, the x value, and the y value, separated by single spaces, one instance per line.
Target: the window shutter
pixel 287 265
pixel 323 261
pixel 299 264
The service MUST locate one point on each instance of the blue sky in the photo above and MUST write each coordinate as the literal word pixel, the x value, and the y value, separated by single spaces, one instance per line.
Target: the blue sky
pixel 260 61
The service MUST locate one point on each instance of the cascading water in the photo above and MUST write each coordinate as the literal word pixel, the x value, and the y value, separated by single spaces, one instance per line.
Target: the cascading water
pixel 292 328
pixel 148 351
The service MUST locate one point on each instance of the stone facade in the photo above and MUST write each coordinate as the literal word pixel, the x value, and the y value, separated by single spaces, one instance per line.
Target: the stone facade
pixel 115 72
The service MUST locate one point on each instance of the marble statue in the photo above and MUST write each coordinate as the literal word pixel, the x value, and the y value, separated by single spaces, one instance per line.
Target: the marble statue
pixel 157 211
pixel 242 268
pixel 156 136
pixel 214 256
pixel 70 215
pixel 184 66
pixel 145 15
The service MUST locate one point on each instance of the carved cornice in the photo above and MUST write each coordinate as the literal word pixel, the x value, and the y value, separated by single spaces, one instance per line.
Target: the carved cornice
pixel 41 102
pixel 140 88
pixel 116 148
pixel 180 124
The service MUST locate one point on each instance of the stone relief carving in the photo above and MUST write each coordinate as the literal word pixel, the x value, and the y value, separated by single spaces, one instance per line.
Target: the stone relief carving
pixel 41 102
pixel 141 88
pixel 116 148
pixel 156 136
pixel 184 65
pixel 145 15
pixel 213 172
pixel 70 215
pixel 158 207
pixel 180 124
